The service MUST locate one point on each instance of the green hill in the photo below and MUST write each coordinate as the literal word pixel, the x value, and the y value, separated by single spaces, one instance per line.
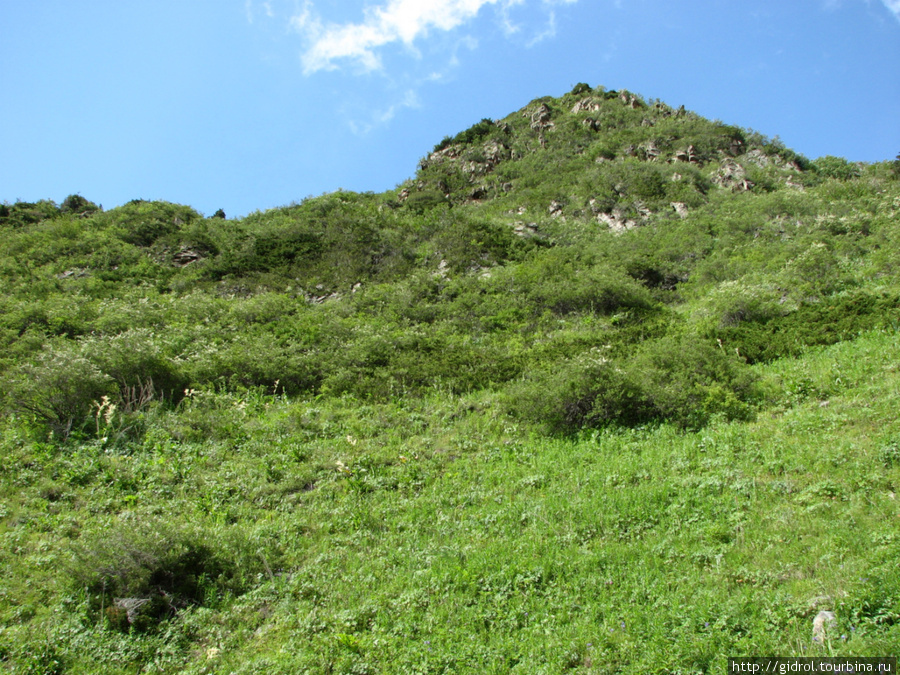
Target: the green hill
pixel 604 387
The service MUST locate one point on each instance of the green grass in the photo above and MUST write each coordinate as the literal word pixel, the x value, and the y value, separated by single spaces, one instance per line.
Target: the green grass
pixel 434 536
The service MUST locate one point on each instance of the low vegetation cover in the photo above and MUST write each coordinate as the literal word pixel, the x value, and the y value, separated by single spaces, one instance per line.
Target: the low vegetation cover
pixel 605 387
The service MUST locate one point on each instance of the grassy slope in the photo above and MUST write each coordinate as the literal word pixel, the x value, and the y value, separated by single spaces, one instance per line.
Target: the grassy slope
pixel 435 537
pixel 365 483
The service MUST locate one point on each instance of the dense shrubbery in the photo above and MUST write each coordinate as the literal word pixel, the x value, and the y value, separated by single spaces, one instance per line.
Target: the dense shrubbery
pixel 368 295
pixel 683 380
pixel 835 167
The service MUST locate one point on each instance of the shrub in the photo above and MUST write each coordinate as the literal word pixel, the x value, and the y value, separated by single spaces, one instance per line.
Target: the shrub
pixel 26 213
pixel 141 222
pixel 138 576
pixel 734 302
pixel 464 243
pixel 835 167
pixel 420 202
pixel 78 205
pixel 580 88
pixel 471 135
pixel 687 380
pixel 58 387
pixel 682 380
pixel 596 290
pixel 821 323
pixel 586 392
pixel 138 357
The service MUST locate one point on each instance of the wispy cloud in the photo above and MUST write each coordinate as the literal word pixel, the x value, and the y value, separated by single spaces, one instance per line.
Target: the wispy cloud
pixel 395 21
pixel 250 11
pixel 382 116
pixel 893 7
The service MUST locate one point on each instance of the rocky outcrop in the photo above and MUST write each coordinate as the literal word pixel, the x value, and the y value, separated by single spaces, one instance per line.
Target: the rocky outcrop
pixel 824 623
pixel 688 155
pixel 586 105
pixel 184 256
pixel 629 99
pixel 76 273
pixel 762 160
pixel 733 176
pixel 681 209
pixel 648 150
pixel 523 229
pixel 616 223
pixel 540 117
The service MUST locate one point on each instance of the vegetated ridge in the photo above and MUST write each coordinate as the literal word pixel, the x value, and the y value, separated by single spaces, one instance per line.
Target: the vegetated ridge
pixel 598 347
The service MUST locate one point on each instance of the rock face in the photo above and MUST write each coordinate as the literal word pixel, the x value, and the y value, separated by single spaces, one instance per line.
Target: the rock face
pixel 687 155
pixel 540 118
pixel 648 151
pixel 732 175
pixel 586 104
pixel 184 256
pixel 629 99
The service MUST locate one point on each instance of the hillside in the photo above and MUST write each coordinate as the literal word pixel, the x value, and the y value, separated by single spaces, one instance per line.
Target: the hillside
pixel 604 387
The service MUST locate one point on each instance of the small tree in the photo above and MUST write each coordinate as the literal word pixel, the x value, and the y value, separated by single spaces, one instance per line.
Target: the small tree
pixel 77 205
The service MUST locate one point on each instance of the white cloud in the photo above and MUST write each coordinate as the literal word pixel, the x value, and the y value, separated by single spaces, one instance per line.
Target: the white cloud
pixel 395 21
pixel 893 6
pixel 266 6
pixel 380 117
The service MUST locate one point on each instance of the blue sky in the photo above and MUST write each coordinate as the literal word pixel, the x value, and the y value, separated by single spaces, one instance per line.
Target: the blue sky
pixel 246 105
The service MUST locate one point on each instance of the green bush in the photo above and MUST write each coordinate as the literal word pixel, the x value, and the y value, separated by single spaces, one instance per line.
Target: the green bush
pixel 687 381
pixel 138 575
pixel 835 167
pixel 587 392
pixel 58 387
pixel 78 205
pixel 819 323
pixel 580 88
pixel 473 134
pixel 141 222
pixel 682 380
pixel 138 357
pixel 26 213
pixel 420 202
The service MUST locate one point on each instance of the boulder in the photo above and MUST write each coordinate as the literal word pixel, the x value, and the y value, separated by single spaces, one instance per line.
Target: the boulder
pixel 648 150
pixel 616 223
pixel 681 209
pixel 823 624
